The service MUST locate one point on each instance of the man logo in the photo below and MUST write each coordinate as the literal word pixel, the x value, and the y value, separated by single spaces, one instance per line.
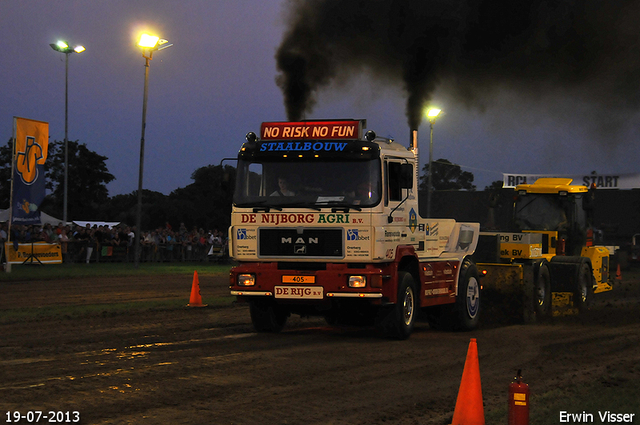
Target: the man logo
pixel 352 234
pixel 300 249
pixel 241 234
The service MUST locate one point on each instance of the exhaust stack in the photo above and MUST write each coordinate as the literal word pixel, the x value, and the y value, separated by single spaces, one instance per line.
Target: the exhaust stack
pixel 413 146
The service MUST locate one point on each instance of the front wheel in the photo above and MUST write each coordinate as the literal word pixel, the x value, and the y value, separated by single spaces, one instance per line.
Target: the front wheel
pixel 267 316
pixel 397 321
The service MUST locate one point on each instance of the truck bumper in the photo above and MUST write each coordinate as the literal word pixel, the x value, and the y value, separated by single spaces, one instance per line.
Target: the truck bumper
pixel 289 285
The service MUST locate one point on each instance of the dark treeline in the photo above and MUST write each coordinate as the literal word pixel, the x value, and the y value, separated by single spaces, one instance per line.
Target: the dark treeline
pixel 205 203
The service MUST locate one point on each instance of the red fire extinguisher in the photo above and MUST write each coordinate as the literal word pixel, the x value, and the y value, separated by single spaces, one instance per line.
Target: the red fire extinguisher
pixel 518 401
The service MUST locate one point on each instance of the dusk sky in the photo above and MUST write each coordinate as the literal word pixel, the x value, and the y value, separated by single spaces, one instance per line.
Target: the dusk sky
pixel 218 82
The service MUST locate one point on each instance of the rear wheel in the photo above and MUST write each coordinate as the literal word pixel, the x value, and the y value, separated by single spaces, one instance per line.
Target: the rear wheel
pixel 397 321
pixel 584 288
pixel 542 293
pixel 467 308
pixel 267 316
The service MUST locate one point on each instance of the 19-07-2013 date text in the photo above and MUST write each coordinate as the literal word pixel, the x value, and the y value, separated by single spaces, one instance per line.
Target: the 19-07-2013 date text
pixel 38 416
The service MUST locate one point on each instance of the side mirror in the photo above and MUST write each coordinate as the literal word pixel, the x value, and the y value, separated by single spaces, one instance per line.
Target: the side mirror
pixel 406 176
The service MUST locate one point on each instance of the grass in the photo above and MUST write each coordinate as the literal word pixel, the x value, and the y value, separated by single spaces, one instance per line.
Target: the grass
pixel 25 273
pixel 69 271
pixel 79 311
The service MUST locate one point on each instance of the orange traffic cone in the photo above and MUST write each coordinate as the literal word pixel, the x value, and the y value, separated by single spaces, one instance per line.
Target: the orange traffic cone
pixel 618 273
pixel 196 299
pixel 469 407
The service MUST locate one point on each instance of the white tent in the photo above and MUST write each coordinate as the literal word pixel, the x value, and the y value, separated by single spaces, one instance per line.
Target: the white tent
pixel 109 224
pixel 44 218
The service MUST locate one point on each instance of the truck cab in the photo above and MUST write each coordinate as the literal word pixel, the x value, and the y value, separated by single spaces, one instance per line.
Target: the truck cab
pixel 325 221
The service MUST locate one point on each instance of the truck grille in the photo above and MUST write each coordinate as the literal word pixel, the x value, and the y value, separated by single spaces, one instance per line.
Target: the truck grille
pixel 301 243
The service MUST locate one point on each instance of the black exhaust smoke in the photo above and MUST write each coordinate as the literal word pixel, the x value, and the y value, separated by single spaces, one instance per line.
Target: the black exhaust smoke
pixel 587 50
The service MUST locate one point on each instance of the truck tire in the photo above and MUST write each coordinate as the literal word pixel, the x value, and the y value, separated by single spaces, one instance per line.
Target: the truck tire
pixel 467 307
pixel 267 316
pixel 397 321
pixel 542 293
pixel 584 288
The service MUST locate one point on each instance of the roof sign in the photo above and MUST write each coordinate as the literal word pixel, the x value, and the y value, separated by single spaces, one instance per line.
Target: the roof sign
pixel 311 130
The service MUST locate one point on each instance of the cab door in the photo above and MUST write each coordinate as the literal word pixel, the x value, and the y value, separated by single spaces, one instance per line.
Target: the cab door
pixel 399 201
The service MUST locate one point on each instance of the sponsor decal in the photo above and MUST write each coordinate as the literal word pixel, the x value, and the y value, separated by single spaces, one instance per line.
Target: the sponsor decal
pixel 242 235
pixel 353 235
pixel 333 218
pixel 431 229
pixel 293 218
pixel 46 253
pixel 413 220
pixel 436 291
pixel 302 146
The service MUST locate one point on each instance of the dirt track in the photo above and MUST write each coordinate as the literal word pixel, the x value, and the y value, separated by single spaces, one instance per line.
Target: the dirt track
pixel 206 365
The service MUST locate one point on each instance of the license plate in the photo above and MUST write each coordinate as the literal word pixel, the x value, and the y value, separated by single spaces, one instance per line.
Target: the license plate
pixel 298 279
pixel 299 292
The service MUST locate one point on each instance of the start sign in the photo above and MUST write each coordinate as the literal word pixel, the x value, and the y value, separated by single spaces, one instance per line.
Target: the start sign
pixel 315 130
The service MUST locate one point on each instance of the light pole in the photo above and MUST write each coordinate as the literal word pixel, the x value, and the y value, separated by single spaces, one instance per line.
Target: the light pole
pixel 149 44
pixel 63 47
pixel 432 114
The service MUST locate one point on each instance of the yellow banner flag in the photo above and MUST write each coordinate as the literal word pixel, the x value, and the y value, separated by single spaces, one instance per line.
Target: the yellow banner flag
pixel 31 150
pixel 32 147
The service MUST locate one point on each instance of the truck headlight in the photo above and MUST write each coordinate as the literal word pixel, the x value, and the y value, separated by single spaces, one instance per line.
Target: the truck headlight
pixel 357 281
pixel 246 279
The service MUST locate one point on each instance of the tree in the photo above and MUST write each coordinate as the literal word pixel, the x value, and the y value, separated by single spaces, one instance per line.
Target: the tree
pixel 5 173
pixel 207 201
pixel 88 177
pixel 495 185
pixel 446 176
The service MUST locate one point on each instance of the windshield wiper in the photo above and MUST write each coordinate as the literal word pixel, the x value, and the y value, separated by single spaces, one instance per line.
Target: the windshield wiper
pixel 345 209
pixel 299 205
pixel 339 206
pixel 257 206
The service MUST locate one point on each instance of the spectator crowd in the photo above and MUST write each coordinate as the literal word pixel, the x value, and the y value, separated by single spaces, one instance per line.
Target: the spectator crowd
pixel 101 243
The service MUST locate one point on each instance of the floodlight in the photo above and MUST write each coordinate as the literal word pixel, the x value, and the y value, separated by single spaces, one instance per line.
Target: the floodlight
pixel 148 41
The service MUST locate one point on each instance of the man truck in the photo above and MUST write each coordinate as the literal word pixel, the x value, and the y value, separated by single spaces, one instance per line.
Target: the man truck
pixel 325 221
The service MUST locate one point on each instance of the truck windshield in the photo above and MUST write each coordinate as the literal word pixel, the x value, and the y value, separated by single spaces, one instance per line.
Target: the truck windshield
pixel 308 183
pixel 546 212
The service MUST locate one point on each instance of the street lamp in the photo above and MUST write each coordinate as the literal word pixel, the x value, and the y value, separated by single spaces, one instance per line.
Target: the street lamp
pixel 63 47
pixel 432 114
pixel 149 44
